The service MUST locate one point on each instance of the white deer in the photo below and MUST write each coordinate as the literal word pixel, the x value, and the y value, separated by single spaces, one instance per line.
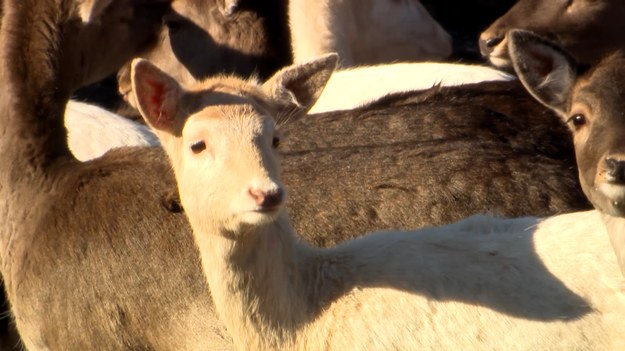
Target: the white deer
pixel 482 283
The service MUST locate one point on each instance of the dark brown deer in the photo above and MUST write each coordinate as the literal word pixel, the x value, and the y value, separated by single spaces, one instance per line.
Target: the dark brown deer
pixel 98 255
pixel 587 29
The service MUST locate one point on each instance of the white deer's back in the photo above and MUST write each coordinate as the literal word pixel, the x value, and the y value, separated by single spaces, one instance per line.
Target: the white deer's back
pixel 574 248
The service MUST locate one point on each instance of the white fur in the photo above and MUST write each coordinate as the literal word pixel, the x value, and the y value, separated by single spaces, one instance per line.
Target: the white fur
pixel 351 88
pixel 479 284
pixel 434 289
pixel 92 131
pixel 366 31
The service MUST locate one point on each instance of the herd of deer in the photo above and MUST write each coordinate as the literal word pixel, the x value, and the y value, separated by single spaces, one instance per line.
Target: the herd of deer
pixel 179 237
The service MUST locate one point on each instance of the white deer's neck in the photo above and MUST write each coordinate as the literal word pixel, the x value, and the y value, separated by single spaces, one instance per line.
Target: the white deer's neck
pixel 258 283
pixel 616 230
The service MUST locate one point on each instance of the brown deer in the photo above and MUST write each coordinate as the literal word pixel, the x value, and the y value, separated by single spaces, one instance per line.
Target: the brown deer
pixel 588 29
pixel 592 105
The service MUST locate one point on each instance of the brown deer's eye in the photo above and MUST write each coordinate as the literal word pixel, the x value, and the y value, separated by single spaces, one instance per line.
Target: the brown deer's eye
pixel 198 146
pixel 578 120
pixel 276 142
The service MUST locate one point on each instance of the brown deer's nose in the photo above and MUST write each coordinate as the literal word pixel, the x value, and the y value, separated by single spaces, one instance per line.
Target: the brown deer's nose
pixel 488 43
pixel 615 171
pixel 267 199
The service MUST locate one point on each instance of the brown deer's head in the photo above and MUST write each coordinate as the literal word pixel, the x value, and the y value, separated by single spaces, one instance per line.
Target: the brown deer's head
pixel 588 29
pixel 591 103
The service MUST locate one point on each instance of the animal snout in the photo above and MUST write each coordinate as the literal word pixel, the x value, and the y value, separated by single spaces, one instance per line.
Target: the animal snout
pixel 488 42
pixel 615 170
pixel 267 199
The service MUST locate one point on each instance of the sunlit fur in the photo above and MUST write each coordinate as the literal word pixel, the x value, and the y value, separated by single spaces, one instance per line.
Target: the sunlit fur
pixel 244 129
pixel 588 29
pixel 92 131
pixel 355 87
pixel 366 31
pixel 481 283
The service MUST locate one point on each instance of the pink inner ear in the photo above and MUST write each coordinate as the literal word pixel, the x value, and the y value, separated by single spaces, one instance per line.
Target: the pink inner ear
pixel 156 98
pixel 158 91
pixel 160 114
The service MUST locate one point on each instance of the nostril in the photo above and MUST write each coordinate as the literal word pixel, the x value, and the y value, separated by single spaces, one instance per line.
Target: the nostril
pixel 488 44
pixel 257 195
pixel 273 199
pixel 615 170
pixel 267 199
pixel 493 41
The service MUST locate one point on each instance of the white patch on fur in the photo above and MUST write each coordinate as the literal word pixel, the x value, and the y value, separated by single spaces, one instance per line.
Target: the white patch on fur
pixel 613 192
pixel 351 88
pixel 92 131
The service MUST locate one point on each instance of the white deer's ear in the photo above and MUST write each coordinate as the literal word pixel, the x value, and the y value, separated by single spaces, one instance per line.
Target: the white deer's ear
pixel 157 95
pixel 545 69
pixel 299 86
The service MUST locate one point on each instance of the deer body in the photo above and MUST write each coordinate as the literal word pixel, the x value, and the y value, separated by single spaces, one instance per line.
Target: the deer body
pixel 410 291
pixel 485 283
pixel 366 31
pixel 360 86
pixel 92 131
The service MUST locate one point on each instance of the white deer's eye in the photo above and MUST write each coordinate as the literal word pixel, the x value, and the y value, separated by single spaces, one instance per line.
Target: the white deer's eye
pixel 198 146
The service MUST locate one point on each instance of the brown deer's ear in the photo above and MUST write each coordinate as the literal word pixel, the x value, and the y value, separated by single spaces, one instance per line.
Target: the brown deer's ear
pixel 546 70
pixel 157 95
pixel 299 86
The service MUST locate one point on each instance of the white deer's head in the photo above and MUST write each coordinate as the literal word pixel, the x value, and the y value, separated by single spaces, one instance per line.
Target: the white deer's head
pixel 222 140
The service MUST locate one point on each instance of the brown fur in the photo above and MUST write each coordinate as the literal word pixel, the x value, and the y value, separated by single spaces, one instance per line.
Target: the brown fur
pixel 588 29
pixel 98 255
pixel 428 159
pixel 200 39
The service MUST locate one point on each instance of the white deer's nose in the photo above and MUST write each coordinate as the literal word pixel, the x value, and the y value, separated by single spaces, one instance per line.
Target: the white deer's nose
pixel 267 197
